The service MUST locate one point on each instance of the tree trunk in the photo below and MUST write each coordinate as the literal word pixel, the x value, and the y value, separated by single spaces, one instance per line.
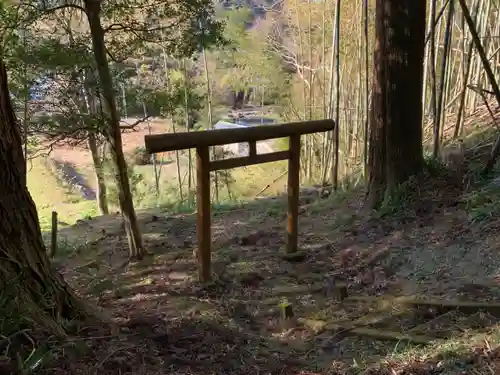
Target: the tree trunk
pixel 93 108
pixel 395 133
pixel 102 199
pixel 37 290
pixel 113 133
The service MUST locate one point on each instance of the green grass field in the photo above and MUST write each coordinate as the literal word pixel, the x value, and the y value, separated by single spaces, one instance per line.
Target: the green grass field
pixel 49 195
pixel 239 184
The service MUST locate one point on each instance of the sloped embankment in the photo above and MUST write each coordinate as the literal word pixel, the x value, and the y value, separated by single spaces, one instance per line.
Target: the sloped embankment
pixel 68 176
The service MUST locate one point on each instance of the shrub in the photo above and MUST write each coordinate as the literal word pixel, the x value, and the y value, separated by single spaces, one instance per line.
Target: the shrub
pixel 140 156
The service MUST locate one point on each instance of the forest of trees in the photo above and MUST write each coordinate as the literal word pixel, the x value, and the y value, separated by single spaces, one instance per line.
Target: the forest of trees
pixel 71 66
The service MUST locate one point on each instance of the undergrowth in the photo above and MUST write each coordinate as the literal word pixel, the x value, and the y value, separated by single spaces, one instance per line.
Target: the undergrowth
pixel 481 199
pixel 483 203
pixel 478 194
pixel 21 351
pixel 405 199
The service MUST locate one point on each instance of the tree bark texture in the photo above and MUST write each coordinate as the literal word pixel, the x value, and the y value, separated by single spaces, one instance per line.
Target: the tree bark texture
pixel 26 274
pixel 93 108
pixel 395 151
pixel 113 132
pixel 102 199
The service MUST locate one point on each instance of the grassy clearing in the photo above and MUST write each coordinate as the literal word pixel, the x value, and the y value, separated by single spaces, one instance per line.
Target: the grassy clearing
pixel 50 195
pixel 236 186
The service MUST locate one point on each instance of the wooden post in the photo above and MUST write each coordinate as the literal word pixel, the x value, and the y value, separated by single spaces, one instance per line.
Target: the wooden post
pixel 53 235
pixel 203 215
pixel 293 194
pixel 252 148
pixel 204 139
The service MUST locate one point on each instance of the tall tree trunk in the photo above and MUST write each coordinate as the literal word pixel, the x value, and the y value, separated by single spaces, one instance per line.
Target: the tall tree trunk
pixel 396 114
pixel 25 271
pixel 92 108
pixel 113 133
pixel 102 199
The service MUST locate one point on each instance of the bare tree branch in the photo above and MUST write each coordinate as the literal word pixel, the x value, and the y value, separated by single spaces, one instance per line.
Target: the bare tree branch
pixel 133 125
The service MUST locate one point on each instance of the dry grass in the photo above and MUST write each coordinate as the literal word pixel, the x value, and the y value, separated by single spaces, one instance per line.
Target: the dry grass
pixel 49 194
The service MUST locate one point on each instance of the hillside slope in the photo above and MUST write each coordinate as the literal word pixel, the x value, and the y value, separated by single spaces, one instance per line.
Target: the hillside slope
pixel 421 279
pixel 433 251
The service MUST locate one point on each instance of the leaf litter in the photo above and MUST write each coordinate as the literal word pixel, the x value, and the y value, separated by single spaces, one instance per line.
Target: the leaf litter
pixel 165 322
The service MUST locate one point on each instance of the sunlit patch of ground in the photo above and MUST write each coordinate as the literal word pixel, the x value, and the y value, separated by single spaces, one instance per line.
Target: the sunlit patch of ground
pixel 235 324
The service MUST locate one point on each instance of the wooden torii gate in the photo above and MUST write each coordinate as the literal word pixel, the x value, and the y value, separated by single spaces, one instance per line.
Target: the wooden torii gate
pixel 202 140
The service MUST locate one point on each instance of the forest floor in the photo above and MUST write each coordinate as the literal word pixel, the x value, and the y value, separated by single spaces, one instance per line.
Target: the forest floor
pixel 422 281
pixel 421 284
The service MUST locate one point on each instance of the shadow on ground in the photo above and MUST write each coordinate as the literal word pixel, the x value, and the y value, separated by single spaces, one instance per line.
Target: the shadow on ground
pixel 235 325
